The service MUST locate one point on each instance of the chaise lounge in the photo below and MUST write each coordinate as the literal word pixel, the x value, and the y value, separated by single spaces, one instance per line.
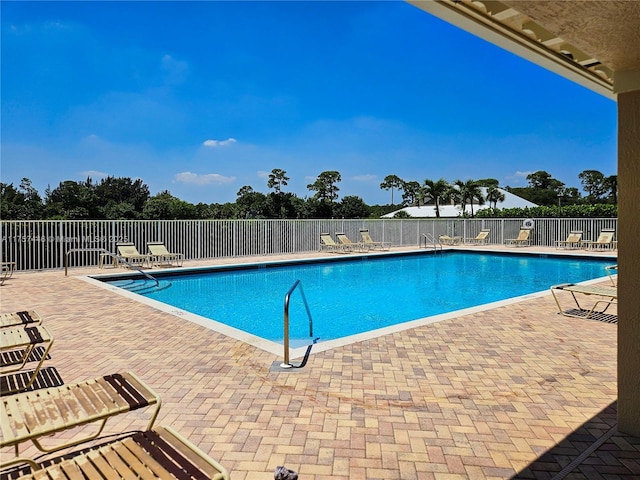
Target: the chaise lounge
pixel 604 242
pixel 574 239
pixel 328 244
pixel 370 243
pixel 481 239
pixel 160 256
pixel 347 244
pixel 29 416
pixel 157 453
pixel 15 319
pixel 607 296
pixel 522 239
pixel 447 240
pixel 18 347
pixel 129 253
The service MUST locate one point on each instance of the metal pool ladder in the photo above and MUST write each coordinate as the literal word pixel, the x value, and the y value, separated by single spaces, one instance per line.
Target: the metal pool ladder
pixel 287 298
pixel 428 238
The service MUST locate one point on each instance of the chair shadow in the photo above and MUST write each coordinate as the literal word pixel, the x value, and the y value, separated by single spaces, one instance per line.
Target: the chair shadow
pixel 46 378
pixel 594 450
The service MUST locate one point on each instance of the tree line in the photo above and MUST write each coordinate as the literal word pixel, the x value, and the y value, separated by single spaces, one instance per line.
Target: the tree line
pixel 122 198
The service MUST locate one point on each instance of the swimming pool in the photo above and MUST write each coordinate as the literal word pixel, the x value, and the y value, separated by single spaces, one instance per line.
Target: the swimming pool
pixel 364 293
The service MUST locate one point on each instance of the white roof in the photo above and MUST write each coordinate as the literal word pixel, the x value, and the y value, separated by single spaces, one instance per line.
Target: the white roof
pixel 510 201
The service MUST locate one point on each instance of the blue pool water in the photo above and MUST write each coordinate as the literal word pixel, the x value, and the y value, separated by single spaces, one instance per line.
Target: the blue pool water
pixel 355 296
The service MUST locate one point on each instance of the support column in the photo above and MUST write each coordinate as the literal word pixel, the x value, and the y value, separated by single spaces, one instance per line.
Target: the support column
pixel 629 262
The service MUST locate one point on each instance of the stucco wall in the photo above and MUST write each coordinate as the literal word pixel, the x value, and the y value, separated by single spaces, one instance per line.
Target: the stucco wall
pixel 629 263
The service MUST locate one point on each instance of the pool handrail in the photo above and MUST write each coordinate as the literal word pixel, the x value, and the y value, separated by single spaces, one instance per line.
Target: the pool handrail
pixel 108 254
pixel 287 298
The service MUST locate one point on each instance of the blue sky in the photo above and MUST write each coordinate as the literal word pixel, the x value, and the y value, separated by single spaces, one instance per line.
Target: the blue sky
pixel 202 98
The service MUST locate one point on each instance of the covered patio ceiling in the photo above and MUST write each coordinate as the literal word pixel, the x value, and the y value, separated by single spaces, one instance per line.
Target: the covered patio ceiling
pixel 593 43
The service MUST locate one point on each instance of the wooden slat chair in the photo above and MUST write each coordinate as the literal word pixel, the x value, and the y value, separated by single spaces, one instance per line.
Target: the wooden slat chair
pixel 17 348
pixel 157 453
pixel 14 319
pixel 29 416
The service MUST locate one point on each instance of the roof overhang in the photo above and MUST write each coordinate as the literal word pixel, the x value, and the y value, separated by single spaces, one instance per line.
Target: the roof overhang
pixel 510 25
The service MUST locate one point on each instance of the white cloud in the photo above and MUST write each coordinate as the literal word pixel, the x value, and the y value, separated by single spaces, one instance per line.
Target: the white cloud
pixel 94 174
pixel 206 179
pixel 176 71
pixel 365 178
pixel 522 174
pixel 263 174
pixel 518 177
pixel 219 143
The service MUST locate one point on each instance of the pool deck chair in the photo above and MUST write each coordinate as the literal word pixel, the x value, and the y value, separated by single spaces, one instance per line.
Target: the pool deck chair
pixel 612 273
pixel 16 319
pixel 447 240
pixel 370 243
pixel 157 453
pixel 29 416
pixel 522 240
pixel 573 241
pixel 6 271
pixel 129 253
pixel 607 296
pixel 160 256
pixel 347 244
pixel 18 347
pixel 604 242
pixel 481 239
pixel 328 244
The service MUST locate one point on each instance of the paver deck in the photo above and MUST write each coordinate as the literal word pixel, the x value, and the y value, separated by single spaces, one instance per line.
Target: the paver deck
pixel 517 391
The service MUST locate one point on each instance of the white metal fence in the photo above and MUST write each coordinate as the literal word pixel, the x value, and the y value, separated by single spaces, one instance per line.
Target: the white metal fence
pixel 43 244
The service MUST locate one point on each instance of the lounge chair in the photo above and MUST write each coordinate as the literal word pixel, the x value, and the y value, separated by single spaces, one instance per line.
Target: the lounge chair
pixel 328 244
pixel 611 271
pixel 347 244
pixel 522 239
pixel 608 294
pixel 481 239
pixel 6 271
pixel 18 347
pixel 573 240
pixel 604 241
pixel 157 453
pixel 15 319
pixel 369 243
pixel 161 256
pixel 129 253
pixel 447 240
pixel 29 416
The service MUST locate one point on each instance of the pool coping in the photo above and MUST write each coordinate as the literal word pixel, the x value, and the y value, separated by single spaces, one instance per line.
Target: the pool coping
pixel 299 352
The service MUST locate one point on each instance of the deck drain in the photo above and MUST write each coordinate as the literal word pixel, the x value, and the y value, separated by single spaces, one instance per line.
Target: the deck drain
pixel 584 455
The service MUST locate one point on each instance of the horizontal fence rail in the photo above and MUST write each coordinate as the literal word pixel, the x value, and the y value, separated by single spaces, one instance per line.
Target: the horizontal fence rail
pixel 43 244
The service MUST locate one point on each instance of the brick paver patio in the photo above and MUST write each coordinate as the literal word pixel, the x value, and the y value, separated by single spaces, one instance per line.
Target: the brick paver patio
pixel 517 391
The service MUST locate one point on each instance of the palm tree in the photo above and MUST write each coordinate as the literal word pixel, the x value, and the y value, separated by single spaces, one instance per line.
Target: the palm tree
pixel 468 192
pixel 494 195
pixel 436 191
